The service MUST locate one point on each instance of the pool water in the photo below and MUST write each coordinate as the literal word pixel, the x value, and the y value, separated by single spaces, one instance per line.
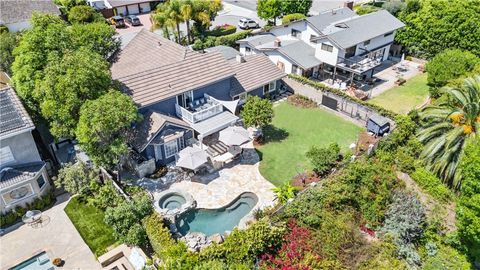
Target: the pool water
pixel 212 221
pixel 37 262
pixel 172 201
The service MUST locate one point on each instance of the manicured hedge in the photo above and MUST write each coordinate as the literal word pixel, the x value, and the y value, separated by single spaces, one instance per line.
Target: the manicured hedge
pixel 227 40
pixel 322 87
pixel 292 17
pixel 16 214
pixel 222 30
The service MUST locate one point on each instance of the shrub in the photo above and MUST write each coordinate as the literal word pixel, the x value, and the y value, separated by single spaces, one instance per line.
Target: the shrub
pixel 105 196
pixel 284 193
pixel 3 29
pixel 222 30
pixel 383 256
pixel 230 40
pixel 432 185
pixel 257 112
pixel 323 159
pixel 75 178
pixel 83 14
pixel 243 246
pixel 365 9
pixel 292 17
pixel 446 258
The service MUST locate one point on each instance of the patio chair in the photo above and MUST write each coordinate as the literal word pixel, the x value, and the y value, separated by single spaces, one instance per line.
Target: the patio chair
pixel 197 103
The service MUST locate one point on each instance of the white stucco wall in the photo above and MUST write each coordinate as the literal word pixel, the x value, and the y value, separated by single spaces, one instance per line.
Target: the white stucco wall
pixel 244 52
pixel 376 42
pixel 325 56
pixel 275 57
pixel 23 148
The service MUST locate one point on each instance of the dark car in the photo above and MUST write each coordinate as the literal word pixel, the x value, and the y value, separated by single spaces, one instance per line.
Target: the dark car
pixel 118 21
pixel 133 20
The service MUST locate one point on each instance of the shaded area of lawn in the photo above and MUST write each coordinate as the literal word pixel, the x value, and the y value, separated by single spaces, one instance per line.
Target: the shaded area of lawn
pixel 402 99
pixel 88 220
pixel 293 132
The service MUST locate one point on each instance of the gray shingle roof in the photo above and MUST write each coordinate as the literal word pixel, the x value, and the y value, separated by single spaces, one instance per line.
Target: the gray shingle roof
pixel 227 52
pixel 301 53
pixel 256 71
pixel 12 11
pixel 16 174
pixel 152 121
pixel 258 39
pixel 326 18
pixel 362 28
pixel 13 116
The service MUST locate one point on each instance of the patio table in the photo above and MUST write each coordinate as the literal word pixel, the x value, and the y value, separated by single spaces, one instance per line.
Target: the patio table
pixel 32 217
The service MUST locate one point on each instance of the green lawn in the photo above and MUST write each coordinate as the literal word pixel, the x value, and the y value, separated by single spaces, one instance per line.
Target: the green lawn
pixel 89 223
pixel 402 99
pixel 294 131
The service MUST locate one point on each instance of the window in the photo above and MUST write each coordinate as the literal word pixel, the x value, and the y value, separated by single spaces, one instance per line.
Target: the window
pixel 185 99
pixel 269 87
pixel 326 47
pixel 158 152
pixel 170 148
pixel 367 42
pixel 349 52
pixel 294 69
pixel 17 194
pixel 296 33
pixel 248 49
pixel 388 34
pixel 40 181
pixel 6 155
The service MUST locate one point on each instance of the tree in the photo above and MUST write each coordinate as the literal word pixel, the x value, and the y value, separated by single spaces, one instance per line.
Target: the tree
pixel 66 5
pixel 269 9
pixel 257 112
pixel 68 82
pixel 97 37
pixel 103 125
pixel 394 6
pixel 84 14
pixel 323 159
pixel 161 20
pixel 448 65
pixel 284 193
pixel 8 41
pixel 295 6
pixel 292 17
pixel 126 217
pixel 448 127
pixel 187 13
pixel 75 178
pixel 435 25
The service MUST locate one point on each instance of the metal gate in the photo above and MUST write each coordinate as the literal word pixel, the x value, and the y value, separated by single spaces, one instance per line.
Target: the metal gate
pixel 329 102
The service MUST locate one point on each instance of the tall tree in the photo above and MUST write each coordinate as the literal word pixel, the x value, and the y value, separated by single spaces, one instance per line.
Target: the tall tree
pixel 103 125
pixel 448 128
pixel 295 6
pixel 161 20
pixel 187 14
pixel 174 11
pixel 84 14
pixel 97 37
pixel 68 82
pixel 257 112
pixel 269 10
pixel 8 42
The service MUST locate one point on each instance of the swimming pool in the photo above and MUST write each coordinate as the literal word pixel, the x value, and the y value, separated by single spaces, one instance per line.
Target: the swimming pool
pixel 212 221
pixel 37 262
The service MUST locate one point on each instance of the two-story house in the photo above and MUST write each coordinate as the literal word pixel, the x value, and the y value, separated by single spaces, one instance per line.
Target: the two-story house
pixel 337 43
pixel 184 94
pixel 23 174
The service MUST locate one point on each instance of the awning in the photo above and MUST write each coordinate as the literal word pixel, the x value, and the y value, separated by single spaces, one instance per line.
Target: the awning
pixel 191 158
pixel 215 123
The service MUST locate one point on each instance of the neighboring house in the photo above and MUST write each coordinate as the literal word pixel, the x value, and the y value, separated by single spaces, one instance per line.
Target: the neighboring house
pixel 185 94
pixel 123 7
pixel 16 14
pixel 334 43
pixel 23 174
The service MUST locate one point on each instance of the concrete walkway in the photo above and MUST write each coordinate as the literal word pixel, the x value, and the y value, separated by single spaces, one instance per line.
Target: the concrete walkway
pixel 57 236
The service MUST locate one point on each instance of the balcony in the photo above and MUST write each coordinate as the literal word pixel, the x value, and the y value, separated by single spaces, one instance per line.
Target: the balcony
pixel 358 64
pixel 199 110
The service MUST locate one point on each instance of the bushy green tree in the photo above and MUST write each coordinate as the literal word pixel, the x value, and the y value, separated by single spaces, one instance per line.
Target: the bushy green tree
pixel 75 178
pixel 8 42
pixel 394 6
pixel 126 217
pixel 67 83
pixel 102 127
pixel 295 6
pixel 323 159
pixel 97 37
pixel 257 112
pixel 84 14
pixel 435 25
pixel 448 65
pixel 292 17
pixel 269 10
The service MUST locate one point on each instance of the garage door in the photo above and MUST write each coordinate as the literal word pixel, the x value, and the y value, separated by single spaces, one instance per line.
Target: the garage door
pixel 121 11
pixel 145 7
pixel 133 9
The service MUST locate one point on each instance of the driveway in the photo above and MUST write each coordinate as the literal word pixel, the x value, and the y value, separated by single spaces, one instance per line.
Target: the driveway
pixel 57 236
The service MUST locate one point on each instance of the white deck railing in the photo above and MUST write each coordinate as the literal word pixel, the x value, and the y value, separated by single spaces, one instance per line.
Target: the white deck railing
pixel 198 116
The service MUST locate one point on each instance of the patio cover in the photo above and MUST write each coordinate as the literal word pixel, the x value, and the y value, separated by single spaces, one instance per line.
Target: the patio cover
pixel 191 158
pixel 229 105
pixel 234 135
pixel 215 123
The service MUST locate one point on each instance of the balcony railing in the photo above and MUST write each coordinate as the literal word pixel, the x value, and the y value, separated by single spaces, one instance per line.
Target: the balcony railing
pixel 358 64
pixel 197 114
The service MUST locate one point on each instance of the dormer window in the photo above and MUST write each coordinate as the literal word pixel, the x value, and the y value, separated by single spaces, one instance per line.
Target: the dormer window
pixel 296 33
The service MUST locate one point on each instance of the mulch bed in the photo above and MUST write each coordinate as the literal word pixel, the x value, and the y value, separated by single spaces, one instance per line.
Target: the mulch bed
pixel 364 140
pixel 306 177
pixel 301 101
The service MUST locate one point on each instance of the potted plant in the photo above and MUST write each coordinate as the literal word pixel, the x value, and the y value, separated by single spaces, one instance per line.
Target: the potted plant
pixel 57 262
pixel 400 80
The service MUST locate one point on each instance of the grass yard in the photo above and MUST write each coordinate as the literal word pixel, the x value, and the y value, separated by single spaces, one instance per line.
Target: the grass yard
pixel 89 223
pixel 293 132
pixel 402 99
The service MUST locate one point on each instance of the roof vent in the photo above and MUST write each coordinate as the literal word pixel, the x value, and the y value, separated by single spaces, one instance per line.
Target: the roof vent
pixel 240 58
pixel 341 25
pixel 159 44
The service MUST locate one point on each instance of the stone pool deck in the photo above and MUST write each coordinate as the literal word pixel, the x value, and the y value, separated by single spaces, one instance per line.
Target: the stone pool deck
pixel 217 189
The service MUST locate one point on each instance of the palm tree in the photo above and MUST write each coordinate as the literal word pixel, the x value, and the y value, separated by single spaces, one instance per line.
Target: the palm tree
pixel 187 14
pixel 449 127
pixel 161 20
pixel 174 12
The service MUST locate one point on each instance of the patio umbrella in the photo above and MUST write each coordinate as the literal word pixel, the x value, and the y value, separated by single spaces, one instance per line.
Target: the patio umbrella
pixel 234 135
pixel 191 158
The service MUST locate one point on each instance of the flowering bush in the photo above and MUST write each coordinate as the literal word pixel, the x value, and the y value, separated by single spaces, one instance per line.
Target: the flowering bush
pixel 296 251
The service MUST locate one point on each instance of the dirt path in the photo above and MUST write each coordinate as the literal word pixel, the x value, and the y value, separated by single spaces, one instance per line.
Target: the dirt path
pixel 432 206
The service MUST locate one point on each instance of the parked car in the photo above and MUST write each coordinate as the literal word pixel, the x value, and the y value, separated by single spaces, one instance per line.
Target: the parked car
pixel 118 21
pixel 133 20
pixel 247 23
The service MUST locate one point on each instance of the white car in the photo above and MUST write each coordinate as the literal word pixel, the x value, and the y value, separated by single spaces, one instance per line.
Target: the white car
pixel 246 23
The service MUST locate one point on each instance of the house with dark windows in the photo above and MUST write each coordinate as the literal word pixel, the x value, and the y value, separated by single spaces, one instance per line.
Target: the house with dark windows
pixel 334 44
pixel 23 174
pixel 186 95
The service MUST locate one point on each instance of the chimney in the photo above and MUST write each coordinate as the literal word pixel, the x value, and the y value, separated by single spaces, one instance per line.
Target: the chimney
pixel 240 58
pixel 348 4
pixel 277 43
